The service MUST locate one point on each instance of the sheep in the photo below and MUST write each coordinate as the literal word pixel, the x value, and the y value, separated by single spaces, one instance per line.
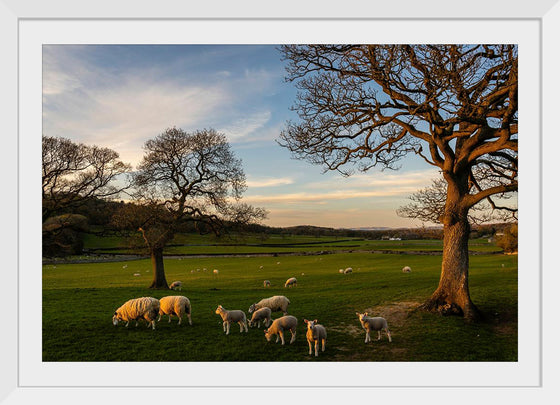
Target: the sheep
pixel 278 327
pixel 348 270
pixel 266 283
pixel 406 269
pixel 276 303
pixel 264 314
pixel 315 333
pixel 175 305
pixel 146 308
pixel 216 271
pixel 176 285
pixel 373 323
pixel 232 316
pixel 292 281
pixel 340 271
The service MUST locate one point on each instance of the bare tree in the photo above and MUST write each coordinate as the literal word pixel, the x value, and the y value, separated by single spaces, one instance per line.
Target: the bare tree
pixel 73 173
pixel 455 106
pixel 428 205
pixel 187 177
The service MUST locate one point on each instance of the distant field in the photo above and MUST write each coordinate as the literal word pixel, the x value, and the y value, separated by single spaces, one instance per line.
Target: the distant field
pixel 199 244
pixel 79 299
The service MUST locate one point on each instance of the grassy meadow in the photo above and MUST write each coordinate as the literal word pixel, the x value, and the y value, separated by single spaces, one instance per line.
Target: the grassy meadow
pixel 79 300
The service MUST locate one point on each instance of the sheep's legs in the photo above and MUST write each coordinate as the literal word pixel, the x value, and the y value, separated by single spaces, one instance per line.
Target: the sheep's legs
pixel 367 337
pixel 159 318
pixel 153 325
pixel 310 350
pixel 169 316
pixel 281 336
pixel 316 348
pixel 190 320
pixel 224 325
pixel 324 343
pixel 379 334
pixel 388 334
pixel 180 319
pixel 227 328
pixel 240 327
pixel 293 336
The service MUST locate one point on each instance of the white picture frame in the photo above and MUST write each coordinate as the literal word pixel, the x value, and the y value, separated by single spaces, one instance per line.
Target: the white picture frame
pixel 14 14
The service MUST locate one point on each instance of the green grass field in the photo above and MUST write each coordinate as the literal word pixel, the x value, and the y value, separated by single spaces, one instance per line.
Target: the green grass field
pixel 79 300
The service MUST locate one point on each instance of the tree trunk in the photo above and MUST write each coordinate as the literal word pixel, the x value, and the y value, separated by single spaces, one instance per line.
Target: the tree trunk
pixel 452 296
pixel 159 280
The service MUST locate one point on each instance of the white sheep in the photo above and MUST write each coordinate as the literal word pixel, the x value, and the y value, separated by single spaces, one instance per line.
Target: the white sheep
pixel 146 308
pixel 348 270
pixel 340 271
pixel 232 316
pixel 175 305
pixel 373 324
pixel 406 269
pixel 276 303
pixel 266 283
pixel 263 314
pixel 216 271
pixel 292 281
pixel 315 333
pixel 278 327
pixel 176 285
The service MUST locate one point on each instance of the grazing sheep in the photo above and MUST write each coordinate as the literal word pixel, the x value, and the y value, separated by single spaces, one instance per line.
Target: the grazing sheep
pixel 340 271
pixel 292 281
pixel 315 333
pixel 146 308
pixel 175 305
pixel 406 269
pixel 125 266
pixel 260 267
pixel 216 271
pixel 348 270
pixel 373 324
pixel 176 285
pixel 278 327
pixel 263 314
pixel 232 316
pixel 276 303
pixel 136 274
pixel 266 283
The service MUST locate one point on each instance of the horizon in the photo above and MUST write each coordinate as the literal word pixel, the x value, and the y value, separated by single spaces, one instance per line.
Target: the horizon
pixel 119 96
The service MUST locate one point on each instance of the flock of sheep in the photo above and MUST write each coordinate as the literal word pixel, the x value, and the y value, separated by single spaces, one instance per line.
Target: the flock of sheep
pixel 151 309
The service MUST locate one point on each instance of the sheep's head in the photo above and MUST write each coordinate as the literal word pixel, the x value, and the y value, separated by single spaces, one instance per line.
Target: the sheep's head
pixel 267 335
pixel 361 316
pixel 116 319
pixel 219 310
pixel 252 308
pixel 310 324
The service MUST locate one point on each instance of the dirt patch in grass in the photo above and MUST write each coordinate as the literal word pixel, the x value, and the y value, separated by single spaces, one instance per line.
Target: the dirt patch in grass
pixel 395 312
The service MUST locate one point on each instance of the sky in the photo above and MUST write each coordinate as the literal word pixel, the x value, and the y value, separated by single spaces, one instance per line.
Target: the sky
pixel 119 96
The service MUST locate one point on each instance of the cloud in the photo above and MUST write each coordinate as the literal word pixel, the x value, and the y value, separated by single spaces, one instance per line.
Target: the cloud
pixel 268 182
pixel 121 107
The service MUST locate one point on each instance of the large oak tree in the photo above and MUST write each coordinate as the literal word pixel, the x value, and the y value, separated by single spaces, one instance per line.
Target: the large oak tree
pixel 186 177
pixel 455 106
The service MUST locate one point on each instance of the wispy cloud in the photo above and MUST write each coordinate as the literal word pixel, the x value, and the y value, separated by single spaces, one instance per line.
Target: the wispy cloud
pixel 269 182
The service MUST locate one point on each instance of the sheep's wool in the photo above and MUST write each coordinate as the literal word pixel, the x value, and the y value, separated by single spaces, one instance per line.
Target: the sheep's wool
pixel 175 305
pixel 139 307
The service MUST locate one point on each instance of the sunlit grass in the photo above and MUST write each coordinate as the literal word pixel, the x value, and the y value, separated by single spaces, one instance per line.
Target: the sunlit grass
pixel 79 299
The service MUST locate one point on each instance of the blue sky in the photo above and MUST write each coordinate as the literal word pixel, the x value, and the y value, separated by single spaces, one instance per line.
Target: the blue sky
pixel 120 96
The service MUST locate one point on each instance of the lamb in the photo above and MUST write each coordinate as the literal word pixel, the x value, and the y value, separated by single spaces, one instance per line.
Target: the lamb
pixel 146 308
pixel 175 305
pixel 373 324
pixel 276 303
pixel 176 285
pixel 292 281
pixel 315 333
pixel 263 314
pixel 348 270
pixel 266 283
pixel 216 271
pixel 406 269
pixel 232 316
pixel 278 327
